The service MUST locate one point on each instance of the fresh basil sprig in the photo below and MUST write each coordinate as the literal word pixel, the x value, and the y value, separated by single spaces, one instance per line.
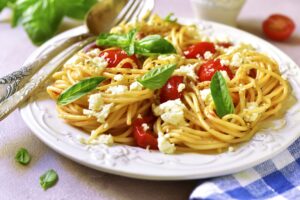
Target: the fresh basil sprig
pixel 79 89
pixel 170 18
pixel 48 179
pixel 157 77
pixel 148 46
pixel 23 156
pixel 221 95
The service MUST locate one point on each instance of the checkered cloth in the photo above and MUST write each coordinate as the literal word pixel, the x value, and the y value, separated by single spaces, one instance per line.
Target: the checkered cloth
pixel 278 178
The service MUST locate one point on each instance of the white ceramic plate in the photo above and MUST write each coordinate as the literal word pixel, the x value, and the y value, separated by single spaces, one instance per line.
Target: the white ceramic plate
pixel 41 116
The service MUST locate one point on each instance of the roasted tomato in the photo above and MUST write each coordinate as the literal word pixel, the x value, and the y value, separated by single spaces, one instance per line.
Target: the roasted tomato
pixel 278 27
pixel 170 90
pixel 199 49
pixel 115 56
pixel 143 133
pixel 208 69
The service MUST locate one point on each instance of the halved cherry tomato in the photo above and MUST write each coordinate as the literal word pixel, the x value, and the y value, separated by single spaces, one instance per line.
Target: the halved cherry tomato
pixel 208 69
pixel 278 27
pixel 144 138
pixel 170 90
pixel 199 49
pixel 224 44
pixel 115 56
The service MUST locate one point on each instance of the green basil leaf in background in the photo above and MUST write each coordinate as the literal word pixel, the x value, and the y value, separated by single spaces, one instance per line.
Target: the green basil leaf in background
pixel 157 77
pixel 77 9
pixel 221 95
pixel 48 179
pixel 19 7
pixel 154 45
pixel 79 89
pixel 170 18
pixel 23 156
pixel 3 4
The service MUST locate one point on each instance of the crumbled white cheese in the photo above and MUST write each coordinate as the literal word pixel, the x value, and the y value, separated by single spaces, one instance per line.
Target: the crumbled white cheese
pixel 236 60
pixel 225 75
pixel 208 55
pixel 249 115
pixel 224 62
pixel 187 70
pixel 181 87
pixel 170 58
pixel 95 102
pixel 171 112
pixel 118 89
pixel 164 145
pixel 106 139
pixel 135 86
pixel 118 77
pixel 101 115
pixel 205 95
pixel 99 62
pixel 145 126
pixel 94 52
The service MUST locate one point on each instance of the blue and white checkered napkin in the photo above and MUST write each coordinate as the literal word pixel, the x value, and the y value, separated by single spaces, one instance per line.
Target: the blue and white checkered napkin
pixel 278 178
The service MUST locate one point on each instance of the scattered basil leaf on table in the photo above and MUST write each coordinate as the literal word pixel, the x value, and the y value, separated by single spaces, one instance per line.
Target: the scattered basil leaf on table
pixel 157 77
pixel 79 89
pixel 23 156
pixel 170 18
pixel 221 95
pixel 148 46
pixel 154 45
pixel 48 179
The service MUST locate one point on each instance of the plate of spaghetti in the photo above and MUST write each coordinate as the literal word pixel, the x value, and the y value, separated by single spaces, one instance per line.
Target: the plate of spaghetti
pixel 163 100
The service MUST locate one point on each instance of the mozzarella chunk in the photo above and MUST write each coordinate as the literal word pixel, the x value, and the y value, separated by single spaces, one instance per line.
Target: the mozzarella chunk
pixel 208 55
pixel 135 86
pixel 171 112
pixel 95 102
pixel 181 87
pixel 101 115
pixel 164 145
pixel 118 89
pixel 187 70
pixel 205 95
pixel 118 77
pixel 145 126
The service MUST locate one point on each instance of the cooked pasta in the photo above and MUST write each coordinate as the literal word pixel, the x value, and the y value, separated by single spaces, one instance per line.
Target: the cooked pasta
pixel 189 123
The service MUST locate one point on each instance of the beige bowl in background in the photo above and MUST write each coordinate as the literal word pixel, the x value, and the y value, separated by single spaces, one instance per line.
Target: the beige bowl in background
pixel 222 11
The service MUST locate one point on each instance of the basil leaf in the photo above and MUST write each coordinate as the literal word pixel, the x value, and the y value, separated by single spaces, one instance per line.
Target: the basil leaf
pixel 113 40
pixel 131 39
pixel 77 9
pixel 48 179
pixel 157 77
pixel 3 4
pixel 221 95
pixel 23 156
pixel 170 18
pixel 78 90
pixel 153 45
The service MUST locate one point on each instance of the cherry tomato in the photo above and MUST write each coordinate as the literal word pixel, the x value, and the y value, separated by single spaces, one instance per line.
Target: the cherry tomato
pixel 170 90
pixel 115 56
pixel 224 44
pixel 208 69
pixel 199 49
pixel 144 138
pixel 278 27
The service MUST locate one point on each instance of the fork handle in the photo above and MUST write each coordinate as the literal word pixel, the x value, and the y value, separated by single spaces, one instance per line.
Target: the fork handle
pixel 10 83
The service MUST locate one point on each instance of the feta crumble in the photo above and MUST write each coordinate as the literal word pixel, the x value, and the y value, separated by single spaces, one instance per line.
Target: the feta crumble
pixel 171 58
pixel 95 102
pixel 171 112
pixel 208 55
pixel 118 89
pixel 101 115
pixel 248 115
pixel 181 87
pixel 205 95
pixel 94 52
pixel 118 77
pixel 187 70
pixel 145 127
pixel 99 62
pixel 236 60
pixel 224 62
pixel 135 86
pixel 106 139
pixel 164 145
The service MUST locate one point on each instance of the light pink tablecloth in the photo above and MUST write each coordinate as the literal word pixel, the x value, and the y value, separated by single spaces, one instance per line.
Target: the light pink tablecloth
pixel 79 182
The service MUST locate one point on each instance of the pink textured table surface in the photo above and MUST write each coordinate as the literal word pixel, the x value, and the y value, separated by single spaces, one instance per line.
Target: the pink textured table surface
pixel 79 182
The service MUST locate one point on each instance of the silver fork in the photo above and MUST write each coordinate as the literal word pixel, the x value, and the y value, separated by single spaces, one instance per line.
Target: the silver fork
pixel 21 84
